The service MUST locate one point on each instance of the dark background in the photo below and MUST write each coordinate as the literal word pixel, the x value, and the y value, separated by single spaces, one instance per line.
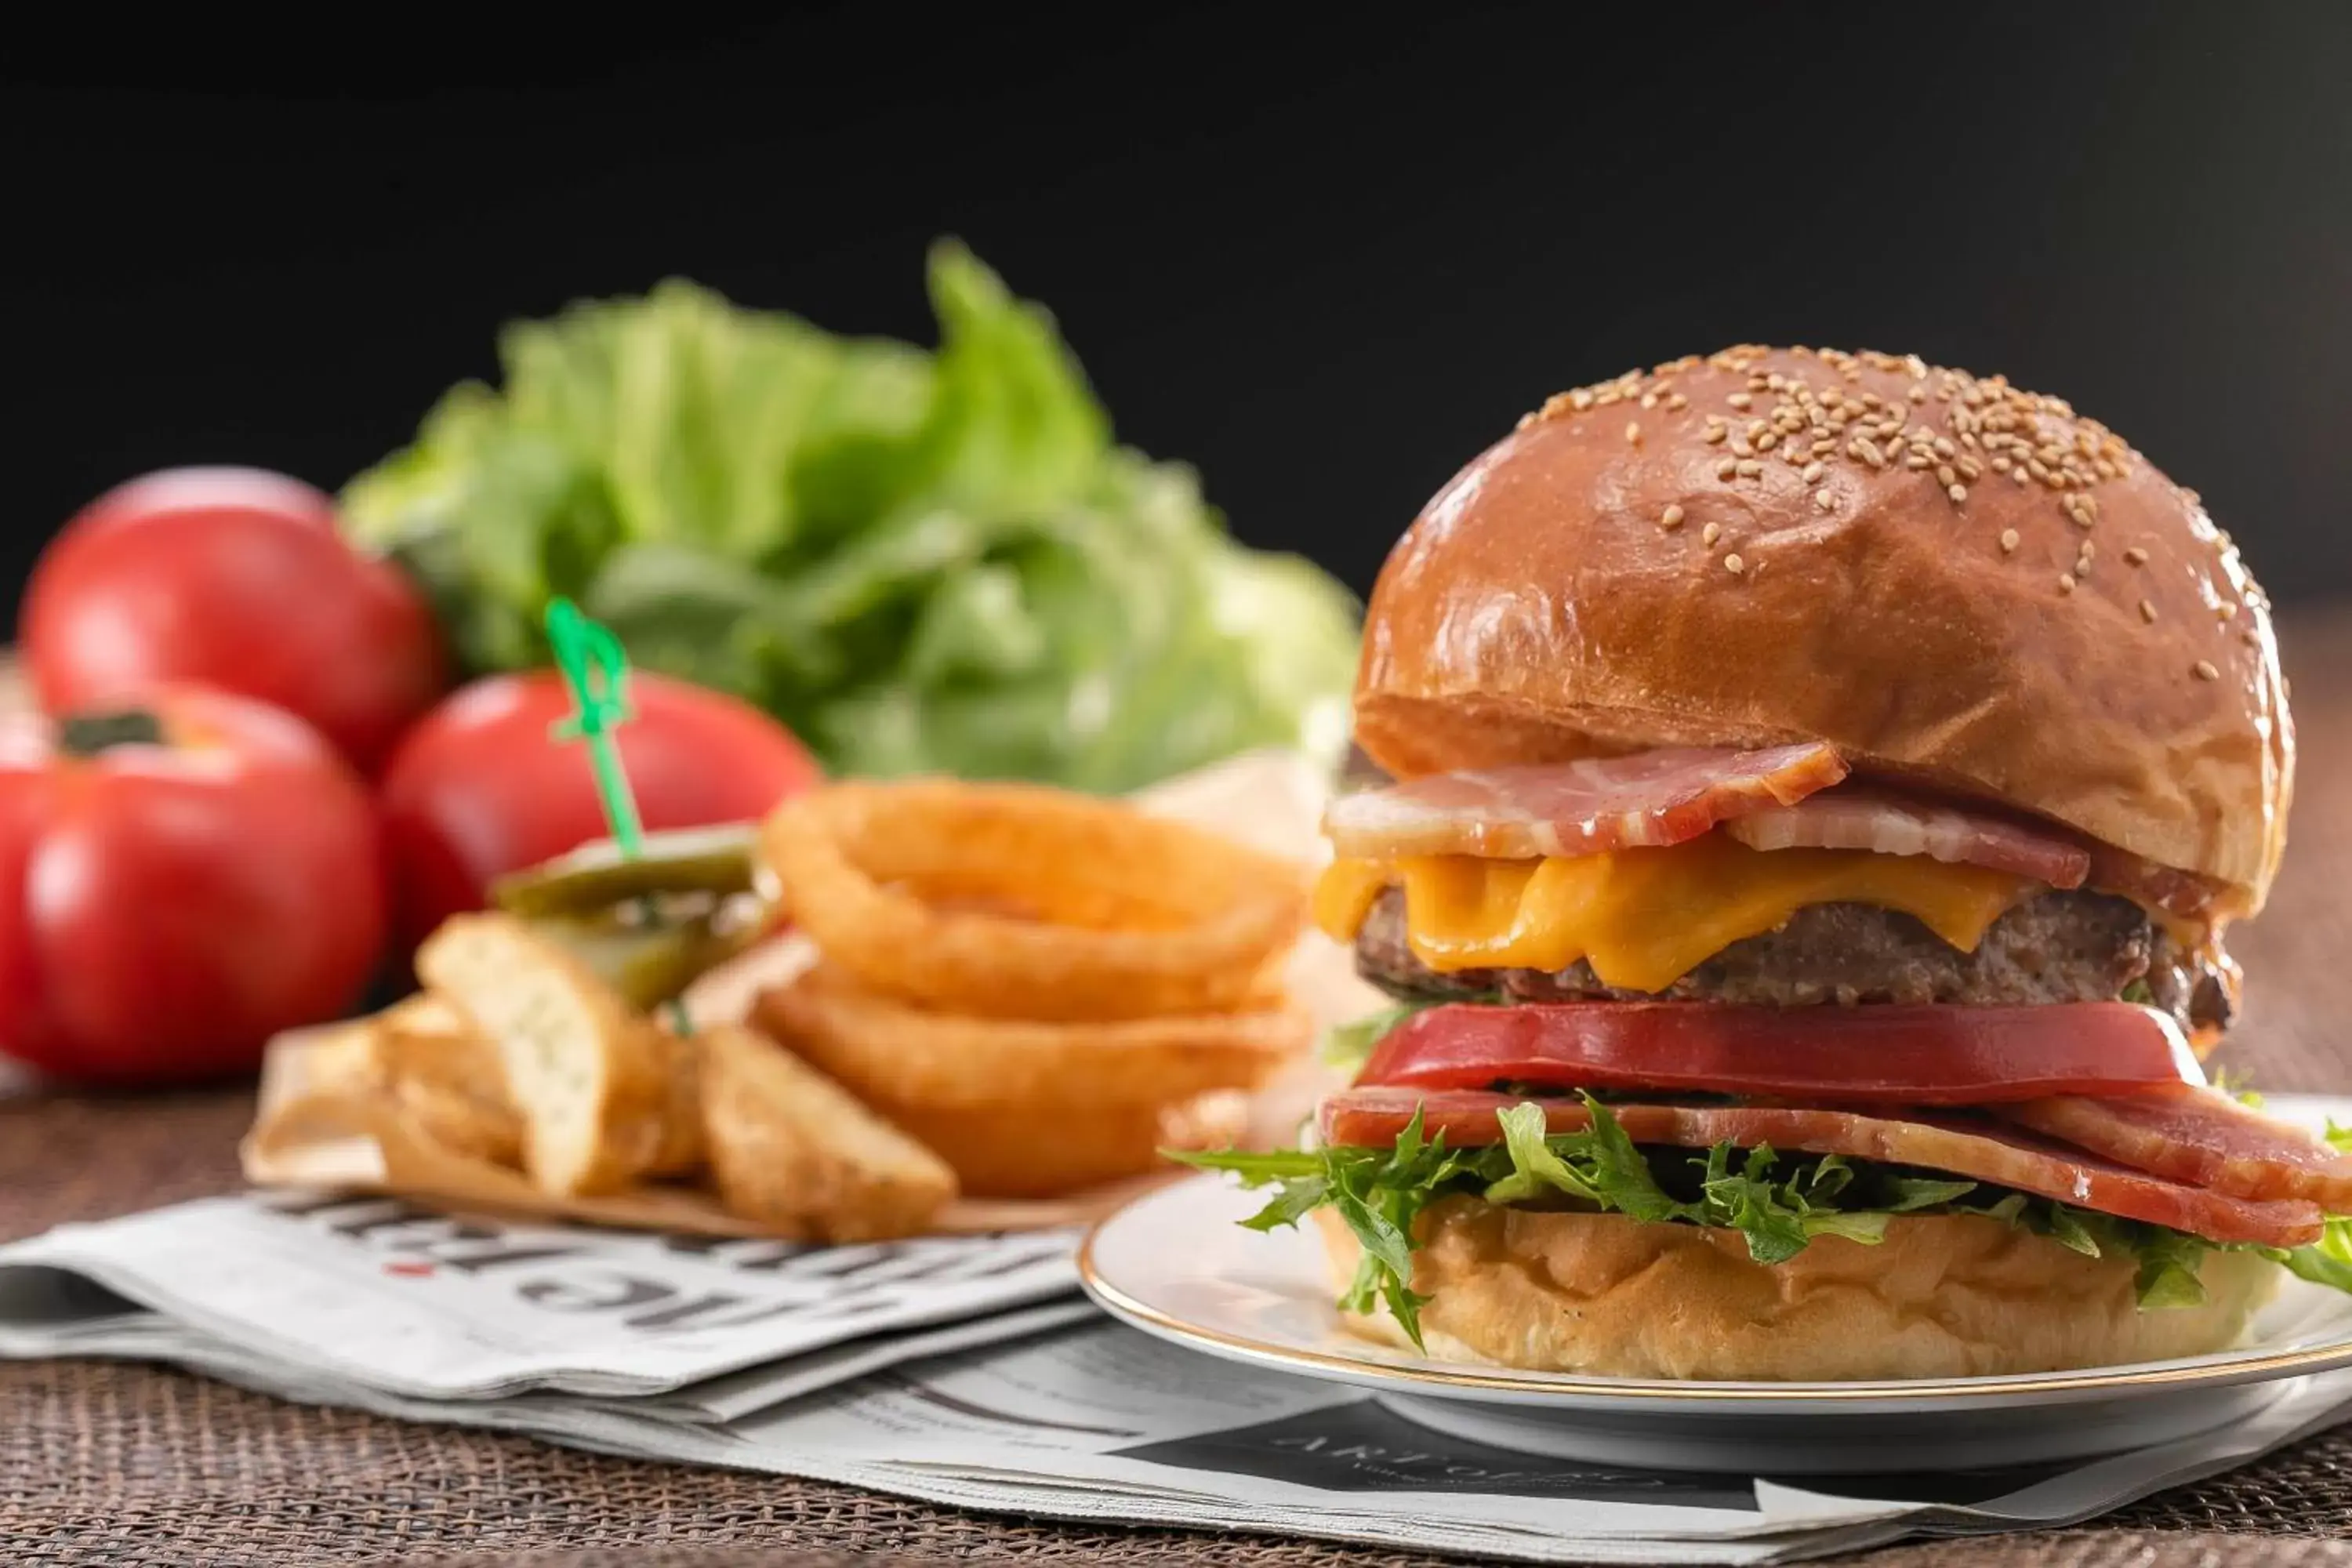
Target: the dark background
pixel 1326 259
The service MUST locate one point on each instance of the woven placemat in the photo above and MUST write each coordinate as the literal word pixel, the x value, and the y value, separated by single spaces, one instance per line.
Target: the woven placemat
pixel 138 1466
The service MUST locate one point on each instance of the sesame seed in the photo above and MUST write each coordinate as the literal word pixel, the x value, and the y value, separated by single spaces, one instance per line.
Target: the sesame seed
pixel 1749 467
pixel 1672 517
pixel 2147 612
pixel 1715 435
pixel 1741 400
pixel 2226 611
pixel 1649 400
pixel 2008 541
pixel 1958 492
pixel 1918 460
pixel 2205 672
pixel 1633 432
pixel 1726 469
pixel 1814 471
pixel 2065 582
pixel 1765 442
pixel 1677 401
pixel 2135 556
pixel 1734 564
pixel 1710 533
pixel 1946 476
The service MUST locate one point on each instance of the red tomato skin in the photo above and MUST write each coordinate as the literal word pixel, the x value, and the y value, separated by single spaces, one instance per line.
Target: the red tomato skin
pixel 1886 1054
pixel 237 579
pixel 165 909
pixel 481 787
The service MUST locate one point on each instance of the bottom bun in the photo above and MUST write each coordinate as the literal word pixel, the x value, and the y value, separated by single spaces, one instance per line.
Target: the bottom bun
pixel 1942 1296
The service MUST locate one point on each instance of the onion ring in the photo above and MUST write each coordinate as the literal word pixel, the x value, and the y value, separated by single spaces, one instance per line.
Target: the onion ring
pixel 900 1056
pixel 1018 902
pixel 1017 1152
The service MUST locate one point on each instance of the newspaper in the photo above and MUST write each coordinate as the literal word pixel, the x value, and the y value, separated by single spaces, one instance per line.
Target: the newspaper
pixel 961 1371
pixel 437 1306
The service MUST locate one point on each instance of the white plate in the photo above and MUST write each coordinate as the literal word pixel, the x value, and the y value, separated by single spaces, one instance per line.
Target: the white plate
pixel 1175 1264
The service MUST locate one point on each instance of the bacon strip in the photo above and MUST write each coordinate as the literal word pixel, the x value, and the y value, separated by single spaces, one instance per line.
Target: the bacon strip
pixel 1986 1152
pixel 1583 807
pixel 1862 817
pixel 2181 894
pixel 2201 1136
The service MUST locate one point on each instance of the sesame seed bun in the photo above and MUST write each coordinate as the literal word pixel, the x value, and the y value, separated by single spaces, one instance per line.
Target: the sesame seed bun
pixel 1942 1296
pixel 1999 598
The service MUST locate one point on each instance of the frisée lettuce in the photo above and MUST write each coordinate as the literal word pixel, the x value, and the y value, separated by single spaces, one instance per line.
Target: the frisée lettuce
pixel 1780 1204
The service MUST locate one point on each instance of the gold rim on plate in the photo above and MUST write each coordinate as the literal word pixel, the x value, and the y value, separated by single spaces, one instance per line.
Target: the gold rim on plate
pixel 2250 1369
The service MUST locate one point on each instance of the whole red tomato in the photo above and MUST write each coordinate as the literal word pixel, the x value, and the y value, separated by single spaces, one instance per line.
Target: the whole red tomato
pixel 237 579
pixel 482 788
pixel 180 877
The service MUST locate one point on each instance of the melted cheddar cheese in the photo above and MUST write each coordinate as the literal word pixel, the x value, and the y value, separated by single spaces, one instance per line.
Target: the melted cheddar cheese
pixel 1644 917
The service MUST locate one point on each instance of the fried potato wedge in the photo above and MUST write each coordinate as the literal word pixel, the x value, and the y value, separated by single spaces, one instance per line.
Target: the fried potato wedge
pixel 790 1147
pixel 460 1122
pixel 678 1143
pixel 886 1050
pixel 589 1076
pixel 1018 902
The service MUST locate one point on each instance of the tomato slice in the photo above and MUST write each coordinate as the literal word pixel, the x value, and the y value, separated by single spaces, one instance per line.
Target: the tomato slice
pixel 1883 1054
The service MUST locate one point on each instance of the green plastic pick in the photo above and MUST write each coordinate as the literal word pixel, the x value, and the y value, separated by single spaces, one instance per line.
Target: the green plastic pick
pixel 596 668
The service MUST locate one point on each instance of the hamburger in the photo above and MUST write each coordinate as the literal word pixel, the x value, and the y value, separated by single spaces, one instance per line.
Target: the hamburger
pixel 1810 793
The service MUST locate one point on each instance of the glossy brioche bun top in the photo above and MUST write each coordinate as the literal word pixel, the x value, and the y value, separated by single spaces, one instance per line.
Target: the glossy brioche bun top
pixel 1948 579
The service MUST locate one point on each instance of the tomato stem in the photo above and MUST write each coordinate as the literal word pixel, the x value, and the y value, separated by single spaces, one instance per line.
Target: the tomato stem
pixel 88 734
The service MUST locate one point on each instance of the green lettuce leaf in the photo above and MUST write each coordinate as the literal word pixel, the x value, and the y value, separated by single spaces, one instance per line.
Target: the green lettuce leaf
pixel 1350 1046
pixel 1779 1205
pixel 922 562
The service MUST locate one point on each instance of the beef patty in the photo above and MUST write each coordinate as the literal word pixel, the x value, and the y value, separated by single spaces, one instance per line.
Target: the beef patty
pixel 2057 947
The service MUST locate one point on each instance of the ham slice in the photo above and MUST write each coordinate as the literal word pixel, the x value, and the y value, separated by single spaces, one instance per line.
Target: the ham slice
pixel 1988 1152
pixel 1584 807
pixel 1887 823
pixel 2201 1136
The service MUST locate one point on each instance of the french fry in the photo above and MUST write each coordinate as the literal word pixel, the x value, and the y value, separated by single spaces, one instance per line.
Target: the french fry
pixel 589 1076
pixel 790 1148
